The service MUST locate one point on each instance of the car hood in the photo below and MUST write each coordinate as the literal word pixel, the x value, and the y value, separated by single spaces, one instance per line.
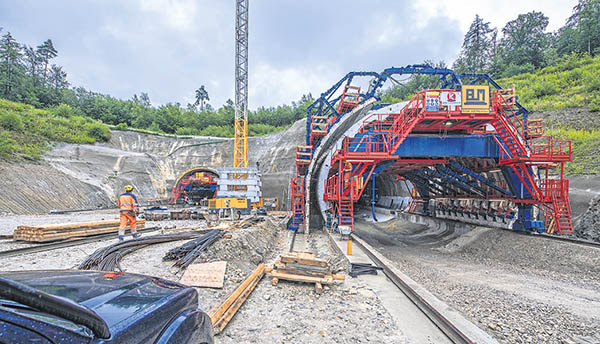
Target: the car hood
pixel 114 296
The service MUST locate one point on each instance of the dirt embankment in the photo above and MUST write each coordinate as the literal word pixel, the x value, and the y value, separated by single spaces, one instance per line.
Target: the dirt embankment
pixel 573 118
pixel 90 176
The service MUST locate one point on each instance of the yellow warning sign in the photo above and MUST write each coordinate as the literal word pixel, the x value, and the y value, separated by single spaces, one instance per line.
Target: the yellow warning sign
pixel 475 99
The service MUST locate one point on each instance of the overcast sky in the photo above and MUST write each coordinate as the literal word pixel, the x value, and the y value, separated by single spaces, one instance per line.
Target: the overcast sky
pixel 168 48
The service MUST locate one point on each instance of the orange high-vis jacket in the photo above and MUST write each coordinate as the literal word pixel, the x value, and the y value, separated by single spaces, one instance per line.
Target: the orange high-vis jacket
pixel 128 202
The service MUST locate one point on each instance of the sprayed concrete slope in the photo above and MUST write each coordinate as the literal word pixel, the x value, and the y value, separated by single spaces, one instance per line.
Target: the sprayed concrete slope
pixel 89 176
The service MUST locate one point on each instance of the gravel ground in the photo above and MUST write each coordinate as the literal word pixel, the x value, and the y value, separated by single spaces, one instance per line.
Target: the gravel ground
pixel 272 314
pixel 522 289
pixel 589 225
pixel 293 312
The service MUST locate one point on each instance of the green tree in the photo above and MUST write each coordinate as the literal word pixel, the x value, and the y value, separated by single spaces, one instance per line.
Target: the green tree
pixel 524 40
pixel 32 63
pixel 11 68
pixel 46 52
pixel 201 97
pixel 145 100
pixel 581 32
pixel 58 78
pixel 477 49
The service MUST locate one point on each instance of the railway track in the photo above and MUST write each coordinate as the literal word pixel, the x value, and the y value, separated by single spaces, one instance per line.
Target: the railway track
pixel 449 329
pixel 66 243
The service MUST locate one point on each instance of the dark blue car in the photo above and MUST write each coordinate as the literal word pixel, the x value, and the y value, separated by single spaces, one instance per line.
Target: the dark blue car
pixel 98 307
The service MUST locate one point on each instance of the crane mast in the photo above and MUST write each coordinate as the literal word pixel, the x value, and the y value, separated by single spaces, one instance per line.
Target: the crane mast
pixel 240 153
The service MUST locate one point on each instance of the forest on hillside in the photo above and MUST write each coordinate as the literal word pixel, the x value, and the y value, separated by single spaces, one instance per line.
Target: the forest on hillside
pixel 523 46
pixel 27 75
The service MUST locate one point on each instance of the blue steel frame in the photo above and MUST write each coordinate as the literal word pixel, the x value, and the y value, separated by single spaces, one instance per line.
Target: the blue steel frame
pixel 325 104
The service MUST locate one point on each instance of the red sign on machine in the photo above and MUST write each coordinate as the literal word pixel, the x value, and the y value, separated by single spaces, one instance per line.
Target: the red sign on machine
pixel 451 99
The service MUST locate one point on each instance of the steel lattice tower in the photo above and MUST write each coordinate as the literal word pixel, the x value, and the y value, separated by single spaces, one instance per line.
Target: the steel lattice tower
pixel 240 154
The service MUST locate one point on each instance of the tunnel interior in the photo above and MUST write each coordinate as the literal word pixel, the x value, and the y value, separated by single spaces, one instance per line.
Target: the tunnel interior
pixel 195 186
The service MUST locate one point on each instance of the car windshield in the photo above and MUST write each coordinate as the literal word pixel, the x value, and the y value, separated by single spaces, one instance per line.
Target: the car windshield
pixel 45 317
pixel 39 302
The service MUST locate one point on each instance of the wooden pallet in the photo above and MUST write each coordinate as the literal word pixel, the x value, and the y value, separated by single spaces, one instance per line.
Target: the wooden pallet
pixel 303 266
pixel 44 233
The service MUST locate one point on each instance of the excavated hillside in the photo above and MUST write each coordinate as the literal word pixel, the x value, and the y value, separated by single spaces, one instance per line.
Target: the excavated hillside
pixel 75 176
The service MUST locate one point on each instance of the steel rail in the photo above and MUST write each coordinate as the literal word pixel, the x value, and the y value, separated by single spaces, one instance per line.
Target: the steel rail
pixel 445 325
pixel 66 243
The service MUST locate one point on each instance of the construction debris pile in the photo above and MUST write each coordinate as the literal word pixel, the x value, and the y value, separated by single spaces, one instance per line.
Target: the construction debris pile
pixel 108 258
pixel 303 266
pixel 45 233
pixel 188 252
pixel 589 225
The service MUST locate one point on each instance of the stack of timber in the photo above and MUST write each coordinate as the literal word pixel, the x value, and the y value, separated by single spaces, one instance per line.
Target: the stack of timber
pixel 222 313
pixel 303 266
pixel 44 233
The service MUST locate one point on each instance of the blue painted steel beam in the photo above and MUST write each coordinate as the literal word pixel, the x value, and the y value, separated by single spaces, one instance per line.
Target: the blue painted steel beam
pixel 423 188
pixel 432 184
pixel 454 164
pixel 479 146
pixel 438 174
pixel 460 178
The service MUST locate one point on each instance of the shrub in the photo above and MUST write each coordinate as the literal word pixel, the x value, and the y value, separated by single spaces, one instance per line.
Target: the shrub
pixel 121 126
pixel 62 110
pixel 7 145
pixel 595 104
pixel 11 121
pixel 97 131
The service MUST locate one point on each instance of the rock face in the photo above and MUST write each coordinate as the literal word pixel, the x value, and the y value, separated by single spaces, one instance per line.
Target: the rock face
pixel 589 225
pixel 90 176
pixel 31 188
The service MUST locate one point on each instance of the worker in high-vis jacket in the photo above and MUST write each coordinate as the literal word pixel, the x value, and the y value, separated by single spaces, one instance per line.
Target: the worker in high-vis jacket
pixel 128 207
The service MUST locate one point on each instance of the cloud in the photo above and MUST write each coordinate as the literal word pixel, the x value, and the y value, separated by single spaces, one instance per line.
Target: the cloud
pixel 169 48
pixel 270 85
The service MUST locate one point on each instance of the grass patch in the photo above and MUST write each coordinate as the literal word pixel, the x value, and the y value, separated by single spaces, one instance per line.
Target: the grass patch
pixel 26 132
pixel 585 148
pixel 573 82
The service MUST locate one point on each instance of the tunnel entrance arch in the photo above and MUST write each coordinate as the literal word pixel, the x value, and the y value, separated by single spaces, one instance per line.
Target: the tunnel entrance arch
pixel 194 186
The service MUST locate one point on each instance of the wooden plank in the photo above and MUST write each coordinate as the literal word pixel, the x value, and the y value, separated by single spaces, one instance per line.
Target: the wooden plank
pixel 65 227
pixel 43 237
pixel 219 310
pixel 301 278
pixel 209 275
pixel 304 260
pixel 338 277
pixel 230 313
pixel 72 225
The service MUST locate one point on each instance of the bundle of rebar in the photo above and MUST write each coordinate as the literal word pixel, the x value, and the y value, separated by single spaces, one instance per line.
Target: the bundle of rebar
pixel 188 252
pixel 108 258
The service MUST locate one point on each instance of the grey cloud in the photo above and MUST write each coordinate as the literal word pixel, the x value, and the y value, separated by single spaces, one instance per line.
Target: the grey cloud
pixel 118 48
